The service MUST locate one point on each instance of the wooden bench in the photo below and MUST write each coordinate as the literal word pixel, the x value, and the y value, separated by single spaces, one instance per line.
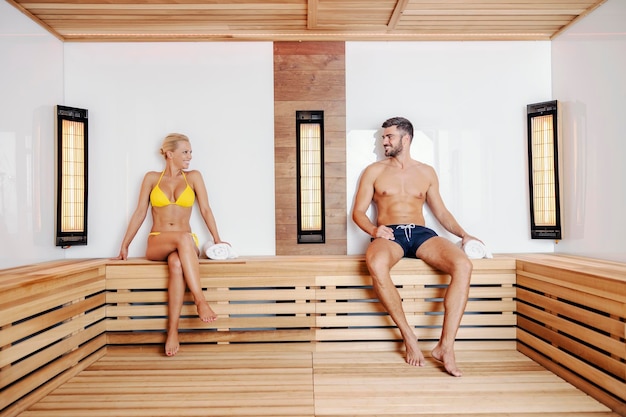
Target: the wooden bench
pixel 572 320
pixel 312 303
pixel 52 325
pixel 57 318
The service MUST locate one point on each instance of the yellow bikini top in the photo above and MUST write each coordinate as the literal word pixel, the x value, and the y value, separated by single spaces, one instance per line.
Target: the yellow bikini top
pixel 159 199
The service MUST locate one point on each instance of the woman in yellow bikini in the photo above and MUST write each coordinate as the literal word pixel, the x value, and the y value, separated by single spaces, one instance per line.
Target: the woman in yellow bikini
pixel 171 194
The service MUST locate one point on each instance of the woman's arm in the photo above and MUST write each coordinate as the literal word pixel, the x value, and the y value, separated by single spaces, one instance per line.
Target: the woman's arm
pixel 197 183
pixel 138 216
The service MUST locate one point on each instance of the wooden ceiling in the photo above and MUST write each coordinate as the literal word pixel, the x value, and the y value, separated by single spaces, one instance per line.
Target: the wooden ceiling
pixel 302 20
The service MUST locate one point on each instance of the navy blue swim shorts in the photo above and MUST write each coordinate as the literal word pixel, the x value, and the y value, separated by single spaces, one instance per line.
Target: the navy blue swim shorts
pixel 410 237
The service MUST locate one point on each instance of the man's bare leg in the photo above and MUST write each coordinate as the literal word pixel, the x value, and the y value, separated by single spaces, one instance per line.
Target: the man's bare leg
pixel 175 298
pixel 380 257
pixel 447 257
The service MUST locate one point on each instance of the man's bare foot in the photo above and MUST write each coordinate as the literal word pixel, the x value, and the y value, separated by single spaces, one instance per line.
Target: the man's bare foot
pixel 171 344
pixel 448 360
pixel 205 312
pixel 414 355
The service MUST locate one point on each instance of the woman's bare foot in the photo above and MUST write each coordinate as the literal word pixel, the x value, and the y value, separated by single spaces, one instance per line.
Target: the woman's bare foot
pixel 448 360
pixel 414 355
pixel 205 312
pixel 171 344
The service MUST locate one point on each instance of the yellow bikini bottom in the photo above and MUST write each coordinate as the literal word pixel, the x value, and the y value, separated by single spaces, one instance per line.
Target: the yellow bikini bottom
pixel 193 236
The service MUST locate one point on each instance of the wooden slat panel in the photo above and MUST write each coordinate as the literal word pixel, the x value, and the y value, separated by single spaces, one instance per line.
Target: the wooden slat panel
pixel 49 356
pixel 25 329
pixel 299 339
pixel 35 385
pixel 572 311
pixel 31 299
pixel 535 282
pixel 505 307
pixel 602 360
pixel 567 361
pixel 616 405
pixel 386 334
pixel 598 322
pixel 35 342
pixel 52 320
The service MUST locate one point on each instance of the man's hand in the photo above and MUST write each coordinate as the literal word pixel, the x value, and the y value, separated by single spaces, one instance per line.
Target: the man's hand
pixel 384 232
pixel 467 238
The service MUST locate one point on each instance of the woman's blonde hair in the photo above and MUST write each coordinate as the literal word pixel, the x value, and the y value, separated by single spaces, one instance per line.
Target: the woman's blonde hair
pixel 170 143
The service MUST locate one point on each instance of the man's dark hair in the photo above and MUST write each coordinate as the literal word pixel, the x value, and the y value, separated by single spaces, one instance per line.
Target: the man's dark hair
pixel 401 123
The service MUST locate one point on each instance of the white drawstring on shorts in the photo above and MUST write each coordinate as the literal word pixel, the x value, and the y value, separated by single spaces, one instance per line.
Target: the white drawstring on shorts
pixel 407 230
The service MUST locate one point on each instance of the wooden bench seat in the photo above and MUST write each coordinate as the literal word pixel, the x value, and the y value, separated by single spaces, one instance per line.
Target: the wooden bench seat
pixel 57 318
pixel 306 303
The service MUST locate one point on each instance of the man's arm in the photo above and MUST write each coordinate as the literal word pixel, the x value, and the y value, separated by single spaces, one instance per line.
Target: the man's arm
pixel 362 201
pixel 441 212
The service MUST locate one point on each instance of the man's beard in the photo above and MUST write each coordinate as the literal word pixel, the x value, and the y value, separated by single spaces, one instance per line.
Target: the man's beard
pixel 393 151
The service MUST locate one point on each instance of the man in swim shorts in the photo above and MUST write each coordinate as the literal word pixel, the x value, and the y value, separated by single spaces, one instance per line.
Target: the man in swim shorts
pixel 399 186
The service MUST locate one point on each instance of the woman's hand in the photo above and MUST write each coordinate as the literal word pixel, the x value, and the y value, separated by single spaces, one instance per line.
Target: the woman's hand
pixel 122 256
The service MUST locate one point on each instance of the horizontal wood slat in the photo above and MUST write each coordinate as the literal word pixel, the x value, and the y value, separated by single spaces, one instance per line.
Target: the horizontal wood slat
pixel 47 311
pixel 571 313
pixel 332 301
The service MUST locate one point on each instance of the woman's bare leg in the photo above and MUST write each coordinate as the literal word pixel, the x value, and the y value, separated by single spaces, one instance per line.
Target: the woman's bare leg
pixel 175 296
pixel 160 246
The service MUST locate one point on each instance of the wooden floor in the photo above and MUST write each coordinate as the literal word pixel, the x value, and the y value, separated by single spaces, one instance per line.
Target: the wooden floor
pixel 220 381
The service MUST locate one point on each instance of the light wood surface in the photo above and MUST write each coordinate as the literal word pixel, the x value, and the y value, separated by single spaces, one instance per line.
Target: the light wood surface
pixel 566 313
pixel 304 20
pixel 310 76
pixel 221 381
pixel 571 313
pixel 307 303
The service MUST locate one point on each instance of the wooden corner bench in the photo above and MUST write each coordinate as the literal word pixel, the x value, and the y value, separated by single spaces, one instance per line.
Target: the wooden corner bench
pixel 57 318
pixel 571 318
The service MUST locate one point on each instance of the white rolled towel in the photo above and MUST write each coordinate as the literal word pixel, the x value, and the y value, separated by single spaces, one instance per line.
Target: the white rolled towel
pixel 475 249
pixel 218 251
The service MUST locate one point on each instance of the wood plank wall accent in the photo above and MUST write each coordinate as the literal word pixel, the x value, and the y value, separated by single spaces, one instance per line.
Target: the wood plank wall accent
pixel 310 76
pixel 571 319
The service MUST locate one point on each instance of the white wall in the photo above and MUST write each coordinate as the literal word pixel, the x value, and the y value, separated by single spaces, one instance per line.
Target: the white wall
pixel 467 102
pixel 589 79
pixel 466 99
pixel 31 84
pixel 219 94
